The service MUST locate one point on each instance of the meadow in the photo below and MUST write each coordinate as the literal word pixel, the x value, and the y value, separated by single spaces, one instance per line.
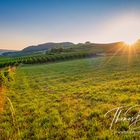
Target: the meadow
pixel 68 100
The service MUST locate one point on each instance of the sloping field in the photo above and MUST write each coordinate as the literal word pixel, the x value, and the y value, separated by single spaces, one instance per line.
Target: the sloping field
pixel 68 100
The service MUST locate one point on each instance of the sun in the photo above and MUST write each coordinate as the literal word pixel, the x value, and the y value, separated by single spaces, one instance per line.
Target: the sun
pixel 130 43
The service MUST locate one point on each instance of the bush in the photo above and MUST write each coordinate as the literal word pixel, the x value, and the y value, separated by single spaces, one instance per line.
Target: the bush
pixel 5 76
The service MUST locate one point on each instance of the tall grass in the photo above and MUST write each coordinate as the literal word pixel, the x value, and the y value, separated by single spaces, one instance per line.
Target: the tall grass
pixel 6 75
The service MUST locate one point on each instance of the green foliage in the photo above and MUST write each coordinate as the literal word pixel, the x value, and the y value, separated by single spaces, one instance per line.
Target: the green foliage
pixel 2 78
pixel 57 50
pixel 5 76
pixel 45 58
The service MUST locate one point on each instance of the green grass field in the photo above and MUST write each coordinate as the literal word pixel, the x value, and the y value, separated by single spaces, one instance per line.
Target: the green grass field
pixel 68 100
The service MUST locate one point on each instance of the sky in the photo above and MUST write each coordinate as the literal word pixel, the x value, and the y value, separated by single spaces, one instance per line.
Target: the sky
pixel 31 22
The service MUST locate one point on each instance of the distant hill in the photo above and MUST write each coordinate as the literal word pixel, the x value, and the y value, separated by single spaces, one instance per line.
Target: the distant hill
pixel 5 51
pixel 87 46
pixel 68 46
pixel 107 48
pixel 47 46
pixel 99 48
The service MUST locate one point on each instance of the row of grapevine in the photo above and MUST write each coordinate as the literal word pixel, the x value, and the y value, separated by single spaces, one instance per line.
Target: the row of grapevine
pixel 44 58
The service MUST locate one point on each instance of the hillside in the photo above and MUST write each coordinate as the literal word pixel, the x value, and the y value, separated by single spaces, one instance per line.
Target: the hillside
pixel 74 47
pixel 71 47
pixel 67 47
pixel 4 51
pixel 68 100
pixel 47 46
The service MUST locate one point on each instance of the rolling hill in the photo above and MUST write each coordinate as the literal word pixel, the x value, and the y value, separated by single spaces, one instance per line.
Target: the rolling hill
pixel 71 47
pixel 5 51
pixel 68 47
pixel 47 46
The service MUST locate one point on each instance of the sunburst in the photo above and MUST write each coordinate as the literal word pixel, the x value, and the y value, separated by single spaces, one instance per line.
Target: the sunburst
pixel 127 49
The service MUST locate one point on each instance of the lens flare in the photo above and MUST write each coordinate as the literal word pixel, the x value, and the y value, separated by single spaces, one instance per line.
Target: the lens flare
pixel 130 43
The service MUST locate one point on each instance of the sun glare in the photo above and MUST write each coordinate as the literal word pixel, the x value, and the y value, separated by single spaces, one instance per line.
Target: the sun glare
pixel 129 43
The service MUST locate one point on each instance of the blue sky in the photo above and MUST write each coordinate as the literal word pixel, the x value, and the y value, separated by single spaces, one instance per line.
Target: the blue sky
pixel 29 22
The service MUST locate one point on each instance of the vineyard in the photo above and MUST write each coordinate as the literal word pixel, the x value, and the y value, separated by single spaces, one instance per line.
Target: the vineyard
pixel 43 58
pixel 61 54
pixel 69 69
pixel 68 99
